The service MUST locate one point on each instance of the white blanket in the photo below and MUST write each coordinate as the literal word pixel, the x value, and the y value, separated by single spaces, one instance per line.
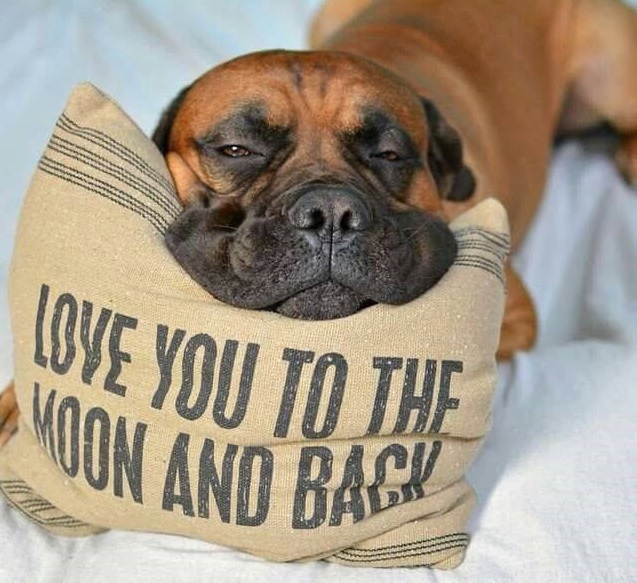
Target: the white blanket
pixel 557 476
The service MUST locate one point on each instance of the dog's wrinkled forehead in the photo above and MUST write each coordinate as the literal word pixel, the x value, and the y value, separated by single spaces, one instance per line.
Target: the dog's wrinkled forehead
pixel 301 91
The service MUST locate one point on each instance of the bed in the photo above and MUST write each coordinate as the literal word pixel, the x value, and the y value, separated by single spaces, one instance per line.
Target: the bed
pixel 556 478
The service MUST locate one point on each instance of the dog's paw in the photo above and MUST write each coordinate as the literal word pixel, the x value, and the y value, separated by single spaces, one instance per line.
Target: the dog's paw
pixel 9 415
pixel 626 159
pixel 519 326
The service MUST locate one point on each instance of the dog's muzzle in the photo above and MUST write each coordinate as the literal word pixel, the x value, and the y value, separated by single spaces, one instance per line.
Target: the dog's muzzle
pixel 318 251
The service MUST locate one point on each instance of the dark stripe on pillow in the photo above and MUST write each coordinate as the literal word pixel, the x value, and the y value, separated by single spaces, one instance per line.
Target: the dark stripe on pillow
pixel 116 148
pixel 95 161
pixel 99 164
pixel 105 190
pixel 24 499
pixel 483 250
pixel 421 548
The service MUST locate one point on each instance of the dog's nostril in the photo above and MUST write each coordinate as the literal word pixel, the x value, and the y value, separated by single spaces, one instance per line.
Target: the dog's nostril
pixel 351 214
pixel 307 218
pixel 355 221
pixel 316 219
pixel 347 222
pixel 330 210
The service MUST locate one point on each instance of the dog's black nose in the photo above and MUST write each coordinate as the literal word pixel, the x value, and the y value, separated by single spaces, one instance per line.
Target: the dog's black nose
pixel 330 212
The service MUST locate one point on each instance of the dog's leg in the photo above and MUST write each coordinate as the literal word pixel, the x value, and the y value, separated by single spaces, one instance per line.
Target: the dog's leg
pixel 604 69
pixel 519 326
pixel 627 158
pixel 9 414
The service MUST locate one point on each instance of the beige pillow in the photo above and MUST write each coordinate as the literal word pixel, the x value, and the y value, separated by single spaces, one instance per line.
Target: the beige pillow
pixel 147 405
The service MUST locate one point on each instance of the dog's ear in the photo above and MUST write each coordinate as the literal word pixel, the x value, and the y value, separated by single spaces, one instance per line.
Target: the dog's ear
pixel 454 180
pixel 161 134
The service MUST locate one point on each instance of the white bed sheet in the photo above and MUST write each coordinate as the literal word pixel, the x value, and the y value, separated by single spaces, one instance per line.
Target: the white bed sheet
pixel 557 476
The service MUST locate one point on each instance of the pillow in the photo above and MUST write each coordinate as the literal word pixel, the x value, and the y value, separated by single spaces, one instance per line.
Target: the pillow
pixel 148 405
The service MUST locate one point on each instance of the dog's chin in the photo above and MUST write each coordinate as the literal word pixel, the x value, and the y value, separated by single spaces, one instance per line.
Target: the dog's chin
pixel 326 301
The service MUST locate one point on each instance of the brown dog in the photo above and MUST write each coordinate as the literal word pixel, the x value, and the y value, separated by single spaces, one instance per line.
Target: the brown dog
pixel 303 202
pixel 318 183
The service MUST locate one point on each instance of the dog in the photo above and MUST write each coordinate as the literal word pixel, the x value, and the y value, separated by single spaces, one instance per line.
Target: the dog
pixel 318 183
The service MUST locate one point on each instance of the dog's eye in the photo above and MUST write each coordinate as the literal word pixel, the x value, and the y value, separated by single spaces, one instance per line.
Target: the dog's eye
pixel 235 151
pixel 389 156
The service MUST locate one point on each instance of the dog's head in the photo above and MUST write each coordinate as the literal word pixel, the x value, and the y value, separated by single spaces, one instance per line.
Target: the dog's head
pixel 312 184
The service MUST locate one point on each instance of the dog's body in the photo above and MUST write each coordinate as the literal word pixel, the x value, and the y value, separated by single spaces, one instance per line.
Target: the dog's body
pixel 317 183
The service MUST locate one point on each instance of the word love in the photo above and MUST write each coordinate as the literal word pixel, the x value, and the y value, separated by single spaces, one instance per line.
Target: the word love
pixel 61 333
